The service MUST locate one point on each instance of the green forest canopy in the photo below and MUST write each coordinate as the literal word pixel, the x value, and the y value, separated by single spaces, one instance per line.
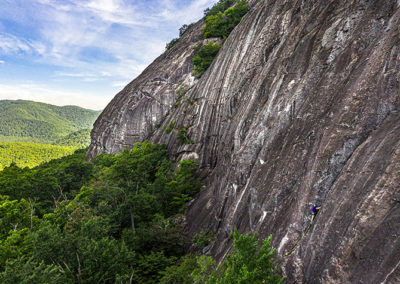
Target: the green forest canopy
pixel 27 121
pixel 118 219
pixel 28 128
pixel 30 154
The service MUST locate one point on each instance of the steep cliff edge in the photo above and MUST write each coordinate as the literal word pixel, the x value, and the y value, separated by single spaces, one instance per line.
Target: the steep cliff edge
pixel 142 105
pixel 301 105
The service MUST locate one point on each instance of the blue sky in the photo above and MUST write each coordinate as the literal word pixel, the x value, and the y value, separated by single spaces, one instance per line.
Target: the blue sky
pixel 82 52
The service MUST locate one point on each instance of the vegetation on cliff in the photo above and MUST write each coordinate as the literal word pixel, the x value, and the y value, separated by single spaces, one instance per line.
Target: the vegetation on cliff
pixel 170 44
pixel 182 30
pixel 221 23
pixel 220 6
pixel 220 20
pixel 204 57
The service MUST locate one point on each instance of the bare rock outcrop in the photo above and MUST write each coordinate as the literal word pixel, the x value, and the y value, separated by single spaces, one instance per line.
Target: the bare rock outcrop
pixel 136 111
pixel 301 105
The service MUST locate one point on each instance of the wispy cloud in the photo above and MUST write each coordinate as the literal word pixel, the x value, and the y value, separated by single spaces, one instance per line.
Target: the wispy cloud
pixel 119 84
pixel 92 40
pixel 11 44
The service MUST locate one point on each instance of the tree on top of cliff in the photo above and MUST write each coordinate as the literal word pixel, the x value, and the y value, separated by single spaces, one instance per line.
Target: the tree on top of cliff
pixel 221 6
pixel 222 23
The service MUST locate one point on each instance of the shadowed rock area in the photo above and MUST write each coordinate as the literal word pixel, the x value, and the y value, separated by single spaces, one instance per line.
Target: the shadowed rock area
pixel 301 105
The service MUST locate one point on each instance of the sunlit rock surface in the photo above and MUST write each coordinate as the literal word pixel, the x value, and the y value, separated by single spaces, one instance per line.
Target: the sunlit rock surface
pixel 301 105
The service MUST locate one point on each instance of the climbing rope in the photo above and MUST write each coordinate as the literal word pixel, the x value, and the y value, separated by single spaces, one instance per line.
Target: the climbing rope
pixel 289 252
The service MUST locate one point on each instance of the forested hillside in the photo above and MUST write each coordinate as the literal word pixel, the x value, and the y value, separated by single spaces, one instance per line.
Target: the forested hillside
pixel 28 128
pixel 27 121
pixel 30 154
pixel 77 139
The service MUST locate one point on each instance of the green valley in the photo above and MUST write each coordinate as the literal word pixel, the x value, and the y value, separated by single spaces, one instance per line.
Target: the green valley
pixel 30 154
pixel 32 133
pixel 27 121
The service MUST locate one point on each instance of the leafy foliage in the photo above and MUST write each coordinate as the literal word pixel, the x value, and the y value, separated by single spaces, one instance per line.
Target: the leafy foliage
pixel 116 220
pixel 184 28
pixel 49 183
pixel 26 271
pixel 220 6
pixel 250 262
pixel 221 24
pixel 170 44
pixel 14 221
pixel 202 239
pixel 204 57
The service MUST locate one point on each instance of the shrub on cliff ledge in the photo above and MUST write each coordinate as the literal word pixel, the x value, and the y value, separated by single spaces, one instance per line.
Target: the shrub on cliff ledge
pixel 184 28
pixel 222 23
pixel 204 57
pixel 221 6
pixel 171 43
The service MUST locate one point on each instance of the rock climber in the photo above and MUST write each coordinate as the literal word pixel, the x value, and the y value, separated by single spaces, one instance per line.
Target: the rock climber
pixel 314 211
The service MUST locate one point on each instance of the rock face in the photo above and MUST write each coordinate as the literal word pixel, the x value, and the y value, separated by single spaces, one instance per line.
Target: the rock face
pixel 301 105
pixel 142 105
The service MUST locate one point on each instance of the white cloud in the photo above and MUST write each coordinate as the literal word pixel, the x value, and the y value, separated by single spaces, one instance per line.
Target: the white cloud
pixel 2 62
pixel 128 30
pixel 11 44
pixel 39 93
pixel 63 74
pixel 186 15
pixel 110 41
pixel 119 84
pixel 105 74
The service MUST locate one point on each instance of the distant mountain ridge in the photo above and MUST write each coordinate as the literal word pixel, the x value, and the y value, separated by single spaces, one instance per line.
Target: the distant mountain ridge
pixel 28 121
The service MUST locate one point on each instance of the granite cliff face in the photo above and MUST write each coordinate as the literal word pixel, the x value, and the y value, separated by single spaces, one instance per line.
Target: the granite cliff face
pixel 301 105
pixel 143 104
